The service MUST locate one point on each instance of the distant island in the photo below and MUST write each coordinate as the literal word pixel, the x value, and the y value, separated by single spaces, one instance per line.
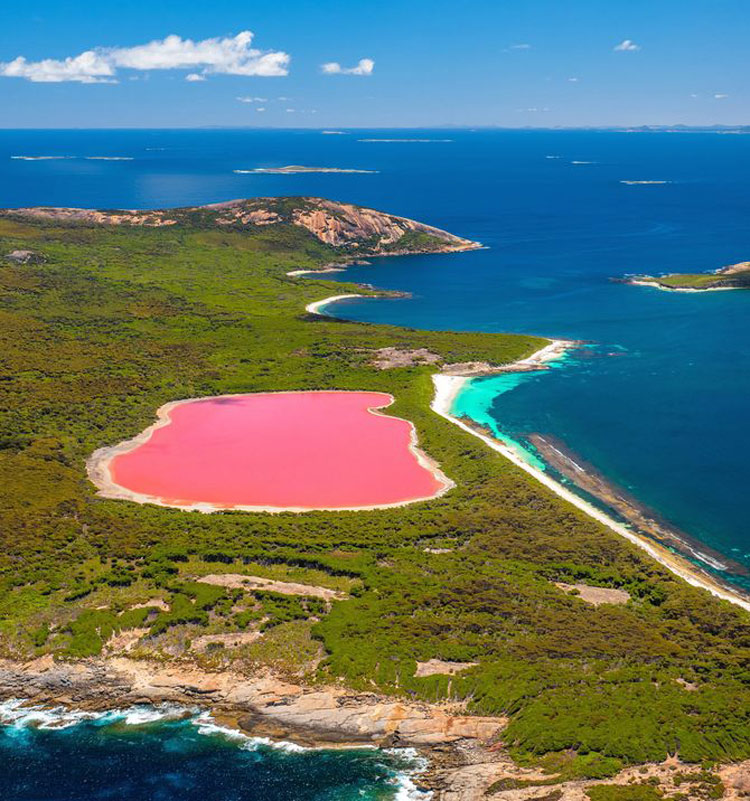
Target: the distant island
pixel 734 276
pixel 296 168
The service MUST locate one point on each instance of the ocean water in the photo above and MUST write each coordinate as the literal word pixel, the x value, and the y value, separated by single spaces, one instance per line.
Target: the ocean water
pixel 169 753
pixel 656 401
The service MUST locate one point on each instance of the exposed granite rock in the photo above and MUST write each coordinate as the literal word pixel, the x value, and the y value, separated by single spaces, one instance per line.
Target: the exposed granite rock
pixel 263 705
pixel 24 257
pixel 341 225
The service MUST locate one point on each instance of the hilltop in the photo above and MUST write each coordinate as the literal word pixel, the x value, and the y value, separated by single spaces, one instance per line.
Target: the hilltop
pixel 344 226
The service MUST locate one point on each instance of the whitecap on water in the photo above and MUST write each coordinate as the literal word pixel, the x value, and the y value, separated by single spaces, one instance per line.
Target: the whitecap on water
pixel 18 714
pixel 206 725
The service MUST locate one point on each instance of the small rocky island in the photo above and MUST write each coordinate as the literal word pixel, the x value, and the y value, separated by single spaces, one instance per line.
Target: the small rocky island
pixel 734 276
pixel 293 169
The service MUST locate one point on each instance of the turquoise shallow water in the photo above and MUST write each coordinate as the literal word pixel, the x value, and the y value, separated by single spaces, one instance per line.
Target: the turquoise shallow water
pixel 657 402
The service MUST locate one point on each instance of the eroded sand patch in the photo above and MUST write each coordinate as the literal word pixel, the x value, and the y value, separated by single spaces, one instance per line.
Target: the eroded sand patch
pixel 595 595
pixel 434 667
pixel 232 640
pixel 389 358
pixel 238 581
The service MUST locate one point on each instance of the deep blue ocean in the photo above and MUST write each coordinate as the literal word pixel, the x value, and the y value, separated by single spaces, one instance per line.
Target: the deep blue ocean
pixel 656 403
pixel 173 754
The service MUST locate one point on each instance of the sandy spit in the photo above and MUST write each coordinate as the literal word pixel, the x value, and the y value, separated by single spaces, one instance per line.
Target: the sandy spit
pixel 447 388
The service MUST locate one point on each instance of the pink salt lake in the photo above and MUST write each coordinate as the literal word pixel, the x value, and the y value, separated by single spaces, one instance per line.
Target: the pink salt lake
pixel 274 451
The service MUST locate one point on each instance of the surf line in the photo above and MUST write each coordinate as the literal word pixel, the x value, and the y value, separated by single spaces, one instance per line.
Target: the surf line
pixel 447 388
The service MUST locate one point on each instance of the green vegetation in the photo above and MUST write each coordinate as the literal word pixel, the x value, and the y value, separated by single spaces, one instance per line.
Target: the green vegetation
pixel 116 321
pixel 624 792
pixel 736 280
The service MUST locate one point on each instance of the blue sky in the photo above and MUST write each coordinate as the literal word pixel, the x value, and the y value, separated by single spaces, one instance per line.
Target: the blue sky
pixel 395 64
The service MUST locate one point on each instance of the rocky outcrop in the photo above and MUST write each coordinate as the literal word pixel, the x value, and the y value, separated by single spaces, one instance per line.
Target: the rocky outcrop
pixel 263 705
pixel 343 226
pixel 24 257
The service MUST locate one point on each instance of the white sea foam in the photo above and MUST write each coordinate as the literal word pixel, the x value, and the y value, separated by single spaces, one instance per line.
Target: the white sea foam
pixel 207 726
pixel 644 183
pixel 17 714
pixel 108 158
pixel 583 162
pixel 41 158
pixel 406 789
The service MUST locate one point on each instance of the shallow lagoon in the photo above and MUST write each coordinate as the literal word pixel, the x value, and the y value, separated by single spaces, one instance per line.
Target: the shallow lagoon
pixel 274 451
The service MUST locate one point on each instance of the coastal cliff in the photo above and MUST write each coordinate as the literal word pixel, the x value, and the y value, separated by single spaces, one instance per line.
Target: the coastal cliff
pixel 343 226
pixel 466 759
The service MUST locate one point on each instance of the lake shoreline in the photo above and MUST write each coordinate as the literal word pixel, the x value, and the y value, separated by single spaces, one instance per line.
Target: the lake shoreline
pixel 99 464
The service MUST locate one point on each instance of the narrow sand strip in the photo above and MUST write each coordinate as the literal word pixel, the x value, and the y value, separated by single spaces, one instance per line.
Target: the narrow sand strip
pixel 447 388
pixel 664 288
pixel 242 581
pixel 318 305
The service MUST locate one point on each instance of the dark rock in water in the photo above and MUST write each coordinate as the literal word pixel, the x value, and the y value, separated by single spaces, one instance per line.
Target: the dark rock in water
pixel 24 257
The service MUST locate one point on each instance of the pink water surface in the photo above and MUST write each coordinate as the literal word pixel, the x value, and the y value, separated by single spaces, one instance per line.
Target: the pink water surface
pixel 306 450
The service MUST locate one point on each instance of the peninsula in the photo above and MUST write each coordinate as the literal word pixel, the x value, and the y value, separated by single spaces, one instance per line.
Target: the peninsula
pixel 516 640
pixel 734 276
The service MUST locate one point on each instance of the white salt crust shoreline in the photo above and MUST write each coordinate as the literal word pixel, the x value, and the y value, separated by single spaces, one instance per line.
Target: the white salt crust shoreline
pixel 98 465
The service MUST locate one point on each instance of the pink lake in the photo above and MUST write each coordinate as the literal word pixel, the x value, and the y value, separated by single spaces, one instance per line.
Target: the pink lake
pixel 290 450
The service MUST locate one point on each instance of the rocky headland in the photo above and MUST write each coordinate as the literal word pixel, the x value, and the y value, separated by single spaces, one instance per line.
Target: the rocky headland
pixel 343 226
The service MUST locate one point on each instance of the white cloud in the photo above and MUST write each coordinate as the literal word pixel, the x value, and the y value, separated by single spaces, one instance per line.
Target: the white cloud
pixel 720 96
pixel 232 55
pixel 228 56
pixel 521 46
pixel 260 108
pixel 573 80
pixel 365 66
pixel 192 77
pixel 253 99
pixel 88 67
pixel 627 46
